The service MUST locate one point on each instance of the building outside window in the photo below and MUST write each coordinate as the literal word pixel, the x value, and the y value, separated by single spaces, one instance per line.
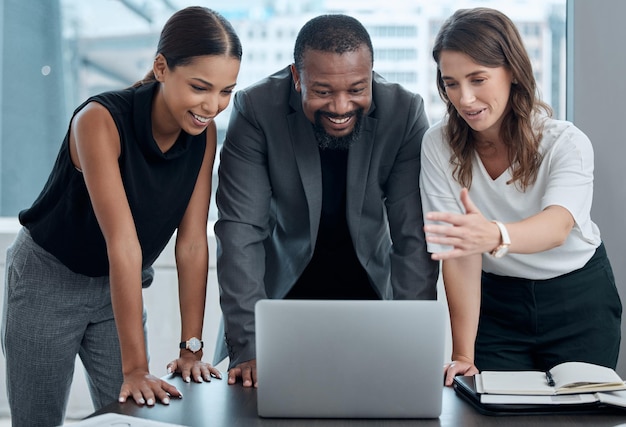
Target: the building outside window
pixel 67 50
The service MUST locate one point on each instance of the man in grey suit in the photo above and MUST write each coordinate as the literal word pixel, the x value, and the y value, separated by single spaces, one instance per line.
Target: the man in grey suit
pixel 318 192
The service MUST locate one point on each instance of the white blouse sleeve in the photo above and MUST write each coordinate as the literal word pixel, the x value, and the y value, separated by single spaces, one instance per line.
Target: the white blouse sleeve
pixel 570 164
pixel 440 193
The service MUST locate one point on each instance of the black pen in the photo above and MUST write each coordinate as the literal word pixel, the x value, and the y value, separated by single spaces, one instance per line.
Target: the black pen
pixel 549 379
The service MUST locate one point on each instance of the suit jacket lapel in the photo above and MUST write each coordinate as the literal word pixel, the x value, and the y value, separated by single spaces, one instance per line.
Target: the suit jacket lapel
pixel 359 160
pixel 307 159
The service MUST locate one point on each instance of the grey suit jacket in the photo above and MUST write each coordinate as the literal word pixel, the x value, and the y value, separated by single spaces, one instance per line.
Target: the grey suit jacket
pixel 269 199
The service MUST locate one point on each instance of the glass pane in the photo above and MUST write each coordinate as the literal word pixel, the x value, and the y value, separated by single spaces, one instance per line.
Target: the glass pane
pixel 75 48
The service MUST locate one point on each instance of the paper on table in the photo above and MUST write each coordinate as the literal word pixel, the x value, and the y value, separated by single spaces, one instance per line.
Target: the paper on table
pixel 535 399
pixel 514 382
pixel 569 378
pixel 615 398
pixel 119 420
pixel 580 376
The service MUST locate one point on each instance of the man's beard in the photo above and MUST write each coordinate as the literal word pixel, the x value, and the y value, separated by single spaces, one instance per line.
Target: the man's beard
pixel 328 142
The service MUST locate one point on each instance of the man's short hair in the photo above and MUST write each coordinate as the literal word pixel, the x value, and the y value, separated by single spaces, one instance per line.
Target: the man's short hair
pixel 334 33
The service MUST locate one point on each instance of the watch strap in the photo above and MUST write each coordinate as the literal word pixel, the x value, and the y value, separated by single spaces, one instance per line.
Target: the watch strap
pixel 505 241
pixel 504 234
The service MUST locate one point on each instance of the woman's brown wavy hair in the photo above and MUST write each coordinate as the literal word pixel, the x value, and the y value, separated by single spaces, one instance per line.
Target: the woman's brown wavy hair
pixel 491 39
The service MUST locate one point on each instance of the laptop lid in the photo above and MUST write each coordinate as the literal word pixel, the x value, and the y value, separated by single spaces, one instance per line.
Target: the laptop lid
pixel 350 359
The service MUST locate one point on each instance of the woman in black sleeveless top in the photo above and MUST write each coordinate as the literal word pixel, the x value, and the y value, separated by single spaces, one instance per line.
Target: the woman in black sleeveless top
pixel 134 167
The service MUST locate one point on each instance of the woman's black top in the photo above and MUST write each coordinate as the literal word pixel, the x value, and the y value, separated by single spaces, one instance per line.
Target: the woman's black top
pixel 158 187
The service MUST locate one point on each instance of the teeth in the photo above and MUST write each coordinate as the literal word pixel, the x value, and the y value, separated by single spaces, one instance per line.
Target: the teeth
pixel 339 121
pixel 201 119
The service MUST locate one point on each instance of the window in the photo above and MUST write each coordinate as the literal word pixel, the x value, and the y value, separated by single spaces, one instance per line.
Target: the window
pixel 55 59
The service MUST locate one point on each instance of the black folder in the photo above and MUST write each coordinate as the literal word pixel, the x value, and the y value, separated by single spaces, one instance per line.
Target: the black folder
pixel 465 388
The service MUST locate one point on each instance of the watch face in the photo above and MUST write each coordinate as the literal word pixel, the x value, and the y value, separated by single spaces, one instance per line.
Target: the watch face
pixel 194 344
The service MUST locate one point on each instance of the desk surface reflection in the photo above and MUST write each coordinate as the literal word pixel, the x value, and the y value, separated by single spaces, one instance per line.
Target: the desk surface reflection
pixel 217 404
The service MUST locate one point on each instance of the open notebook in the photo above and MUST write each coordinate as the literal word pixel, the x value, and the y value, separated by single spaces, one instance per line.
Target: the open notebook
pixel 350 359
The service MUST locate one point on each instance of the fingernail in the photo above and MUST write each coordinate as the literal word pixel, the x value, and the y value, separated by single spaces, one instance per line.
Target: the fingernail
pixel 141 401
pixel 199 379
pixel 121 399
pixel 180 396
pixel 166 401
pixel 187 379
pixel 150 402
pixel 169 370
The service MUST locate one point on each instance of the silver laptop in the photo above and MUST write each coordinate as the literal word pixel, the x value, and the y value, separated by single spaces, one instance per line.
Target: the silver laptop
pixel 350 359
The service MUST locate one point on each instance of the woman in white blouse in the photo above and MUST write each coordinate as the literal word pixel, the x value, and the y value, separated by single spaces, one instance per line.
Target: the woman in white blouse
pixel 507 193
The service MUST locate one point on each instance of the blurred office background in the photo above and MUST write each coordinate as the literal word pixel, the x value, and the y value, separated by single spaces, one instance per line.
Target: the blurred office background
pixel 56 53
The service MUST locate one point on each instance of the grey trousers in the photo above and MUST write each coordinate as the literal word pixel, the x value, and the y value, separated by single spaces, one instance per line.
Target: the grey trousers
pixel 50 315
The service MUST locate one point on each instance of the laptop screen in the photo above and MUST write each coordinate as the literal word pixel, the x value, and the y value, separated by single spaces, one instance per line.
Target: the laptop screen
pixel 350 359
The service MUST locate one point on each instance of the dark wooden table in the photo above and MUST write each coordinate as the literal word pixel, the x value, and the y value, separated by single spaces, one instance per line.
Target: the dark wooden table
pixel 217 404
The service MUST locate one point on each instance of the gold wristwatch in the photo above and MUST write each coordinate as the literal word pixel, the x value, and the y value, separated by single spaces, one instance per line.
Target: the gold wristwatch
pixel 503 248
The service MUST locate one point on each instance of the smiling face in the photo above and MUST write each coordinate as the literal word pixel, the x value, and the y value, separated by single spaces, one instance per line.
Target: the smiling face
pixel 336 89
pixel 479 94
pixel 192 95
